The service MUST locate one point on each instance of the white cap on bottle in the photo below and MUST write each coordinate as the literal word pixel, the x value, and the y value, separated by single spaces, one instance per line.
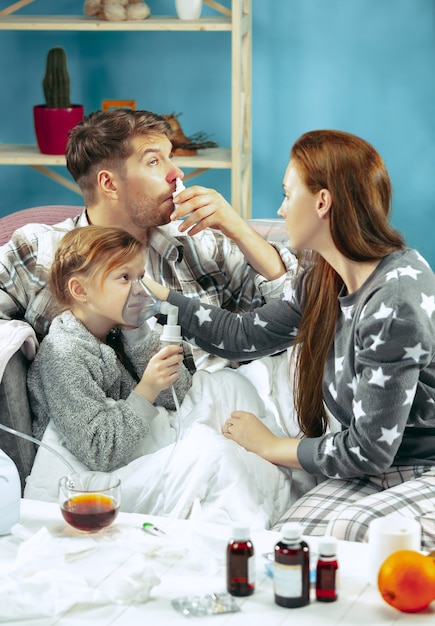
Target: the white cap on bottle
pixel 291 531
pixel 240 533
pixel 328 546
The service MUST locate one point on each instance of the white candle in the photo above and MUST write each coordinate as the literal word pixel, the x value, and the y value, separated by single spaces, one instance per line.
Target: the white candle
pixel 387 535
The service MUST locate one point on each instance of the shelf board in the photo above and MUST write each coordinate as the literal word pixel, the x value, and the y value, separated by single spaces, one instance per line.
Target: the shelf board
pixel 83 22
pixel 26 154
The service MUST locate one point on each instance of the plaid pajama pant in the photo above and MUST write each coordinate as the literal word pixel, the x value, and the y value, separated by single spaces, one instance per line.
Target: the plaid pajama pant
pixel 344 508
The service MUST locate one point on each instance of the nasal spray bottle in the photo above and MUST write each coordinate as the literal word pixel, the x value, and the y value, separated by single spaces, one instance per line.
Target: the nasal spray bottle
pixel 179 186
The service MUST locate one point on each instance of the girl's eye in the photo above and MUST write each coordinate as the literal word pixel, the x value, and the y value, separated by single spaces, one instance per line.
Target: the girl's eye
pixel 124 277
pixel 153 162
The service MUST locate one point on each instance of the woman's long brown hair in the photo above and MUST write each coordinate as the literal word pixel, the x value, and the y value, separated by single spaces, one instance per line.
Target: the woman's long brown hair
pixel 359 184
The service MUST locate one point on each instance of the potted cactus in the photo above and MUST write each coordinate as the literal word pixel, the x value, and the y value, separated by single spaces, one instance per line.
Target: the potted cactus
pixel 54 119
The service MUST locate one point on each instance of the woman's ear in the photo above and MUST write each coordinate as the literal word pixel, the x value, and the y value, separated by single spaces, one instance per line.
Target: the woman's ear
pixel 77 290
pixel 324 203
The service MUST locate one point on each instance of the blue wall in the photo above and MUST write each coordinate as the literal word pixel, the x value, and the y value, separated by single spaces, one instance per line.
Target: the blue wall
pixel 364 66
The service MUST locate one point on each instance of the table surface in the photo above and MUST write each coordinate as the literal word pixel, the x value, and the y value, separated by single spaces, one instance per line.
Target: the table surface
pixel 188 560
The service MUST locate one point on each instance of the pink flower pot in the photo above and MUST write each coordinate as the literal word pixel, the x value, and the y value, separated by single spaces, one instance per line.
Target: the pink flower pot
pixel 53 125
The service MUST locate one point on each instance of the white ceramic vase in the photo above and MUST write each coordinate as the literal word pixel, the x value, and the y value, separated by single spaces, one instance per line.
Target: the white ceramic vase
pixel 188 9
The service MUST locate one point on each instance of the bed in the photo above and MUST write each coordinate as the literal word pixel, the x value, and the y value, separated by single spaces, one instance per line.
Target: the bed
pixel 262 387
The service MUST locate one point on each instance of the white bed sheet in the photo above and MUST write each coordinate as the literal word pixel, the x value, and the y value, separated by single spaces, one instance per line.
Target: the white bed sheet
pixel 206 476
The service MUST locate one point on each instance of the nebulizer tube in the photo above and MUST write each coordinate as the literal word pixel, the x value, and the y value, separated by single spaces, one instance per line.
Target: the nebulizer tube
pixel 141 305
pixel 38 443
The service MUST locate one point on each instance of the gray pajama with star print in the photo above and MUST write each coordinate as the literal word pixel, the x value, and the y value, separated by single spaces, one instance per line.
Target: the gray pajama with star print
pixel 379 383
pixel 379 379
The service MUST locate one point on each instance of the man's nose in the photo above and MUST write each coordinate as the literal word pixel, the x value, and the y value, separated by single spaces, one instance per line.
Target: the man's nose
pixel 174 173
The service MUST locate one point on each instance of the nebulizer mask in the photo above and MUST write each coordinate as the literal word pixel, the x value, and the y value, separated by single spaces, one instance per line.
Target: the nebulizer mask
pixel 140 306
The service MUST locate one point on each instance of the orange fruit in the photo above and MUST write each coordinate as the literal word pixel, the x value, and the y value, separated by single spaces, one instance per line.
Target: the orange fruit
pixel 406 580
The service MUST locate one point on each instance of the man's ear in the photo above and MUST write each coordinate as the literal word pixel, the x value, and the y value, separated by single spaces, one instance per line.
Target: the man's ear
pixel 324 203
pixel 77 289
pixel 106 182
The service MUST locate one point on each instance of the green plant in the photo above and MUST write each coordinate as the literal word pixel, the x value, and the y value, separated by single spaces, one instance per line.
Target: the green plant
pixel 56 82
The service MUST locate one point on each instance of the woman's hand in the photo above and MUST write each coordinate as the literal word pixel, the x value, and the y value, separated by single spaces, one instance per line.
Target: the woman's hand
pixel 156 289
pixel 206 208
pixel 161 372
pixel 201 208
pixel 250 432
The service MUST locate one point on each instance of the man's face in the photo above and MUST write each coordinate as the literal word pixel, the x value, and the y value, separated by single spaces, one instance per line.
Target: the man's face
pixel 146 185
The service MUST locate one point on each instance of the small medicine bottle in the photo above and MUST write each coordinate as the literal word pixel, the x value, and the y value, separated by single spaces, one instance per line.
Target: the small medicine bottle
pixel 291 572
pixel 326 571
pixel 240 563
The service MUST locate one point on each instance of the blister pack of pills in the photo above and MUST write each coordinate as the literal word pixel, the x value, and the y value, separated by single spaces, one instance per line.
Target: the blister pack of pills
pixel 208 604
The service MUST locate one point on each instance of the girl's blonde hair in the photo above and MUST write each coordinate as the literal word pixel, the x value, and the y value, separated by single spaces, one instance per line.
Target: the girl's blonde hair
pixel 359 184
pixel 83 252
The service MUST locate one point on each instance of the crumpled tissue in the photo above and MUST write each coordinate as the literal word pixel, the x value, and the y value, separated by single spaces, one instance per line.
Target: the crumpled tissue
pixel 42 581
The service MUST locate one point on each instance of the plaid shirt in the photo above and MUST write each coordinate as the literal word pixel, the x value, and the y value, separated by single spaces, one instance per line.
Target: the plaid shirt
pixel 208 266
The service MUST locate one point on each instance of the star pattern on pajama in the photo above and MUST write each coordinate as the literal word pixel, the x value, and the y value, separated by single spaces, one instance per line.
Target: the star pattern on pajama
pixel 372 381
pixel 376 376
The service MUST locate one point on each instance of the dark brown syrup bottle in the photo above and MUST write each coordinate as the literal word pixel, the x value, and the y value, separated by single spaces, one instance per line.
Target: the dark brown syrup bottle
pixel 326 571
pixel 240 563
pixel 291 572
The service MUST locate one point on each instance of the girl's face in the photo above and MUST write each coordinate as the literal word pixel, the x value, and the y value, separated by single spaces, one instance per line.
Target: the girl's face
pixel 300 209
pixel 106 300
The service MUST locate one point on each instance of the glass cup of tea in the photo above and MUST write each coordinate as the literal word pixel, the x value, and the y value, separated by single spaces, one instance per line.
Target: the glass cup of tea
pixel 89 501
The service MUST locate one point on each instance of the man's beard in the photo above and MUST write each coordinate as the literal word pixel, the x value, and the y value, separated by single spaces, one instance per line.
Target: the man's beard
pixel 147 214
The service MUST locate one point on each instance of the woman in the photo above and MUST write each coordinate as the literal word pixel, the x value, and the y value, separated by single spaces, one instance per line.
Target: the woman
pixel 360 313
pixel 102 389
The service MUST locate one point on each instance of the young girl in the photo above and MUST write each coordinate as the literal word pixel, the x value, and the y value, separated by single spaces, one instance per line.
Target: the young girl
pixel 112 382
pixel 103 390
pixel 360 313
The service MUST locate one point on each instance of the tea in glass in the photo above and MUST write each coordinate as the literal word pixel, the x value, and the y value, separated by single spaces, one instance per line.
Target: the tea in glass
pixel 89 501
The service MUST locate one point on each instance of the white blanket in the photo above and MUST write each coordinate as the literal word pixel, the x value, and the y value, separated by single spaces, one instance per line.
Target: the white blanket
pixel 16 335
pixel 205 476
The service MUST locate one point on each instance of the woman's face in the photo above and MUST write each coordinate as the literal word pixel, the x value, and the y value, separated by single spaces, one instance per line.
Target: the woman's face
pixel 300 211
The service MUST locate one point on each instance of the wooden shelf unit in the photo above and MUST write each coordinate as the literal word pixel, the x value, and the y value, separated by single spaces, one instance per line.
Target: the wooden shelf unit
pixel 237 158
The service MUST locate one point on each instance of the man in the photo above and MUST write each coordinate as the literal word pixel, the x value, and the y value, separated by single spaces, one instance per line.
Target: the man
pixel 121 159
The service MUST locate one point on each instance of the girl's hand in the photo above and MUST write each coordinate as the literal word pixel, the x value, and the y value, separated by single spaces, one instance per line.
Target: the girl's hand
pixel 250 432
pixel 161 372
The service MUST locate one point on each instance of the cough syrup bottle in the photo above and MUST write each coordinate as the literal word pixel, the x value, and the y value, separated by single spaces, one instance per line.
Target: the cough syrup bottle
pixel 326 571
pixel 240 563
pixel 291 572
